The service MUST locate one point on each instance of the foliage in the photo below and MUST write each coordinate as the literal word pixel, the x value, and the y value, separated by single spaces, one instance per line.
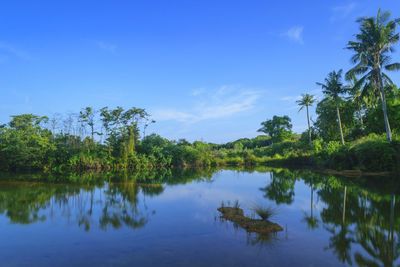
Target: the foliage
pixel 279 128
pixel 24 143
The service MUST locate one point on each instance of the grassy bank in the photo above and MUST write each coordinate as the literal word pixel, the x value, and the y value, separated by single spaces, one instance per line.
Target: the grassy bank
pixel 372 153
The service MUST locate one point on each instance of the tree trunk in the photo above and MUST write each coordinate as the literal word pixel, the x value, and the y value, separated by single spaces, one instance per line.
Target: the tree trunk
pixel 382 95
pixel 309 129
pixel 340 123
pixel 385 116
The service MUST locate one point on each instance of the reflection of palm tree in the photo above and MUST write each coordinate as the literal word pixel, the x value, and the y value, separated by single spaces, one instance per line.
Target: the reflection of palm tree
pixel 312 222
pixel 341 243
pixel 378 243
pixel 344 204
pixel 341 239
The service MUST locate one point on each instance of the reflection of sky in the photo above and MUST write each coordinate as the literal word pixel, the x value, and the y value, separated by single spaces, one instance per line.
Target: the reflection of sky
pixel 182 229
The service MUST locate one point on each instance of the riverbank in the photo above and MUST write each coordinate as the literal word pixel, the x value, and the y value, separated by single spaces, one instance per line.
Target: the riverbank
pixel 33 148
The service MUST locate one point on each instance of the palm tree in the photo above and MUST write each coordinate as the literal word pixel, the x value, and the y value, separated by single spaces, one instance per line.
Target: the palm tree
pixel 333 88
pixel 374 44
pixel 306 101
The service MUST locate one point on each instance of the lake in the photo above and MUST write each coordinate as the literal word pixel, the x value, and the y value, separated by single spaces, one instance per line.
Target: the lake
pixel 170 218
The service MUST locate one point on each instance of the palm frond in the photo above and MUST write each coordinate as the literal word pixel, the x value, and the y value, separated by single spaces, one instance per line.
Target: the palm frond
pixel 393 67
pixel 386 79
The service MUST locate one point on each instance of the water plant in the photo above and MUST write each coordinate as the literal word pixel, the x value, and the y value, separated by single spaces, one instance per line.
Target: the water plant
pixel 264 212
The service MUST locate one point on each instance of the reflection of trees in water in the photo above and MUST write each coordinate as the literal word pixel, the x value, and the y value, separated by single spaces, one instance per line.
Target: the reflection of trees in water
pixel 334 218
pixel 361 215
pixel 28 203
pixel 262 240
pixel 355 212
pixel 367 223
pixel 281 188
pixel 121 207
pixel 379 235
pixel 108 199
pixel 23 202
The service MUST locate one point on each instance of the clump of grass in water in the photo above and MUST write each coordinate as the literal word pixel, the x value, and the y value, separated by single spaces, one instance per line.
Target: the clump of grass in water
pixel 260 226
pixel 265 212
pixel 236 206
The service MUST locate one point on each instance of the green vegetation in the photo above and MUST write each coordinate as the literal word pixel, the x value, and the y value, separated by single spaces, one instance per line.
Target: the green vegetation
pixel 279 128
pixel 348 132
pixel 265 213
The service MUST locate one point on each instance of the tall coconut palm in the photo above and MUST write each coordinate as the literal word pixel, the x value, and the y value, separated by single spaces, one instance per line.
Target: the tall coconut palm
pixel 334 88
pixel 372 54
pixel 306 101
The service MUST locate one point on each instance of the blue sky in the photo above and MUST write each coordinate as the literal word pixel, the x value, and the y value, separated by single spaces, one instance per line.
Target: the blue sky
pixel 206 70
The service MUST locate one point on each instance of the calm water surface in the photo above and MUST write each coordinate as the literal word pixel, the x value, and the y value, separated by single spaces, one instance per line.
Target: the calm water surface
pixel 171 219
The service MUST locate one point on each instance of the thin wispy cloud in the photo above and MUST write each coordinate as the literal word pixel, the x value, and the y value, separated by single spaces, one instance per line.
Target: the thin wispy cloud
pixel 107 47
pixel 224 102
pixel 166 114
pixel 198 91
pixel 295 34
pixel 293 98
pixel 14 51
pixel 341 12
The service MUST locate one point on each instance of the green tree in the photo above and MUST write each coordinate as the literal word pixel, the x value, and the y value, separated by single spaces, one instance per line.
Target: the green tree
pixel 372 49
pixel 86 117
pixel 357 98
pixel 306 101
pixel 279 128
pixel 334 88
pixel 373 116
pixel 122 128
pixel 25 144
pixel 326 125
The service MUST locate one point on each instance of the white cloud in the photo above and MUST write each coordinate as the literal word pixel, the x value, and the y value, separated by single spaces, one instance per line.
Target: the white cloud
pixel 197 92
pixel 107 47
pixel 10 49
pixel 171 114
pixel 291 98
pixel 341 12
pixel 223 102
pixel 316 92
pixel 295 33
